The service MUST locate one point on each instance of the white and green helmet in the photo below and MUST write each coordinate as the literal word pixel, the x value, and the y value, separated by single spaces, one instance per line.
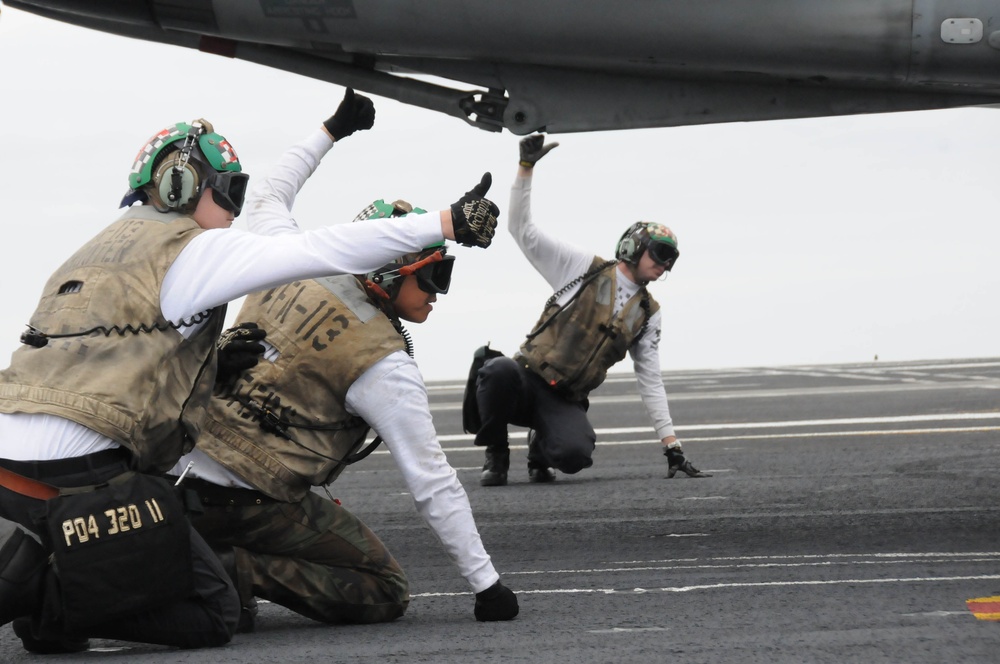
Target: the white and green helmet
pixel 217 151
pixel 178 163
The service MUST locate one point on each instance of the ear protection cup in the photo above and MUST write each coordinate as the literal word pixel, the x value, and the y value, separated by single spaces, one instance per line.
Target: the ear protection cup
pixel 628 244
pixel 626 250
pixel 176 198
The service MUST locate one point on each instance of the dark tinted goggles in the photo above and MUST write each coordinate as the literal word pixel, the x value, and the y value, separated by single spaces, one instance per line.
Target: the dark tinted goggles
pixel 228 190
pixel 663 253
pixel 436 277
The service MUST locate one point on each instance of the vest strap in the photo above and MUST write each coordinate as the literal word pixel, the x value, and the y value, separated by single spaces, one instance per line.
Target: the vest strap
pixel 27 486
pixel 14 475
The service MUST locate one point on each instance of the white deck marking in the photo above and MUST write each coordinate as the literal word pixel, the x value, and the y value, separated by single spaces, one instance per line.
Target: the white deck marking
pixel 657 566
pixel 778 424
pixel 817 561
pixel 619 630
pixel 765 436
pixel 725 586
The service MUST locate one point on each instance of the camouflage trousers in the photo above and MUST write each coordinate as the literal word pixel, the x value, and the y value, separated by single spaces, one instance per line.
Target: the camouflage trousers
pixel 313 557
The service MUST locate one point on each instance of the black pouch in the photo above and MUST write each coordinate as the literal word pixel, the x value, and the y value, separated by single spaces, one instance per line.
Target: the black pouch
pixel 470 408
pixel 119 548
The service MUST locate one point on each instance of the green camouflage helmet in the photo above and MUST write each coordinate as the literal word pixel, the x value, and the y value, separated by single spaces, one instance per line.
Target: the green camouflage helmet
pixel 641 236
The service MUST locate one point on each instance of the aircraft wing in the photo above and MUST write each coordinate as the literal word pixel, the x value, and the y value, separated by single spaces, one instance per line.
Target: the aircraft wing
pixel 590 65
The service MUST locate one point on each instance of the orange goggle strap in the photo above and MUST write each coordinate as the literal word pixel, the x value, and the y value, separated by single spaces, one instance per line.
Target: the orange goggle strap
pixel 412 268
pixel 406 271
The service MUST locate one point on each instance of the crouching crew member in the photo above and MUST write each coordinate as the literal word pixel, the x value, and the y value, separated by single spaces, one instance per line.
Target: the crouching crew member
pixel 601 310
pixel 110 384
pixel 335 362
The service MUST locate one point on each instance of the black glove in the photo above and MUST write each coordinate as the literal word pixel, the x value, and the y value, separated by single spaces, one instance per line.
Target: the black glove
pixel 498 602
pixel 239 350
pixel 676 461
pixel 474 218
pixel 532 150
pixel 356 112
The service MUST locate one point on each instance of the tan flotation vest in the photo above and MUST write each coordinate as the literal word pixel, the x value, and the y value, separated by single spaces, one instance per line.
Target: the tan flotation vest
pixel 328 333
pixel 131 376
pixel 573 347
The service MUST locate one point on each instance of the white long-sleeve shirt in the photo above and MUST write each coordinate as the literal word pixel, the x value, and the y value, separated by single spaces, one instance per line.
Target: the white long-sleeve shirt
pixel 390 396
pixel 218 266
pixel 561 262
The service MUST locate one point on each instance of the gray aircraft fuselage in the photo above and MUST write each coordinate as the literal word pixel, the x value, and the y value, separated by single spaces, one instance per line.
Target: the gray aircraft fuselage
pixel 587 65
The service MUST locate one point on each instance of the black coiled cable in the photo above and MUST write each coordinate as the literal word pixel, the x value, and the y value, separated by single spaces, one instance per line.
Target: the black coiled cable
pixel 38 339
pixel 407 339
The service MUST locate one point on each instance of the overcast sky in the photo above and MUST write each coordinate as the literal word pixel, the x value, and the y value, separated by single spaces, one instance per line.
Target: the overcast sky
pixel 802 242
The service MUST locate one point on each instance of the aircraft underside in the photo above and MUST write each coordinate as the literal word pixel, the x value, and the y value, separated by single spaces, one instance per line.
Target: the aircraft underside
pixel 588 65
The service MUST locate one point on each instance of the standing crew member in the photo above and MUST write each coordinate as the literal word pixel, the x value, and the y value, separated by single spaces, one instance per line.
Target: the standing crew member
pixel 601 310
pixel 110 386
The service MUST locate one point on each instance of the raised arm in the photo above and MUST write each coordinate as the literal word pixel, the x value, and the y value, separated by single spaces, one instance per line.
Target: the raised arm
pixel 557 261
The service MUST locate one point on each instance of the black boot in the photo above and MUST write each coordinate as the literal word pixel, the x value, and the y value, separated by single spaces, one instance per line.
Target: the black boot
pixel 22 565
pixel 31 643
pixel 538 468
pixel 495 468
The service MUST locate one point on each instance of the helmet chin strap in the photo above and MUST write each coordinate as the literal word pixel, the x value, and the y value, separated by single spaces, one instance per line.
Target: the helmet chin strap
pixel 378 290
pixel 384 302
